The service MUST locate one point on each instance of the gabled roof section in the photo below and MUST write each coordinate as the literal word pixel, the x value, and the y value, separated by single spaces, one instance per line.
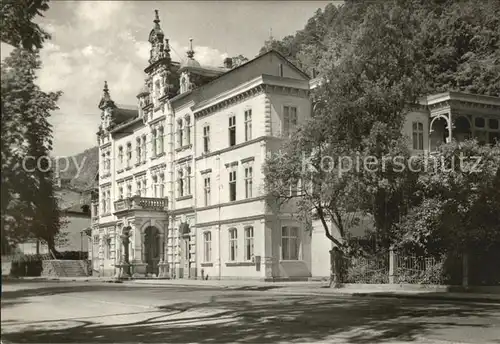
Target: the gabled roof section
pixel 125 113
pixel 300 71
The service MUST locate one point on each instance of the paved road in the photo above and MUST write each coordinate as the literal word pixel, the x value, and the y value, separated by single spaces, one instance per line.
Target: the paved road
pixel 62 312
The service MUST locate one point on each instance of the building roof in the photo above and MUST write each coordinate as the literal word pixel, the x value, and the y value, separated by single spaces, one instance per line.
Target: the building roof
pixel 125 113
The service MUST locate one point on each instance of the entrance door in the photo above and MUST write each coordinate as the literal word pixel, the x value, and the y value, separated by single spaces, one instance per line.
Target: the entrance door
pixel 152 249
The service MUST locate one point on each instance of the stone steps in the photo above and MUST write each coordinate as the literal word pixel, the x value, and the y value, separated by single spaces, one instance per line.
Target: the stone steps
pixel 63 268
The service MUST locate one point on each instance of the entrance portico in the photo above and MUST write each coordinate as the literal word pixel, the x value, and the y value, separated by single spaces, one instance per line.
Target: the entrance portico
pixel 146 220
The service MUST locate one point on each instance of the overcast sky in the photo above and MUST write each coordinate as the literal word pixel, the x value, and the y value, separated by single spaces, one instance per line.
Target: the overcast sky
pixel 107 40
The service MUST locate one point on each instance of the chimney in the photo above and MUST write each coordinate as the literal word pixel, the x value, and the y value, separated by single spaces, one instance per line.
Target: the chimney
pixel 228 63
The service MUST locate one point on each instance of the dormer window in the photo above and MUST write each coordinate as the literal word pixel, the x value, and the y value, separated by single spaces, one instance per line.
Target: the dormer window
pixel 183 84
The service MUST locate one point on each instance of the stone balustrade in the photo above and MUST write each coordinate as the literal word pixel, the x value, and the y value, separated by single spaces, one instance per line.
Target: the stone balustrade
pixel 141 203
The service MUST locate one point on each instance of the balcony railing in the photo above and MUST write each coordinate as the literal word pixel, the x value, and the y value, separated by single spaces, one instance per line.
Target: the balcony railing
pixel 141 203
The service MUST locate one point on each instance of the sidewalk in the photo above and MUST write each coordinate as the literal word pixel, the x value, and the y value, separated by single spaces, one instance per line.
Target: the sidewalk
pixel 300 288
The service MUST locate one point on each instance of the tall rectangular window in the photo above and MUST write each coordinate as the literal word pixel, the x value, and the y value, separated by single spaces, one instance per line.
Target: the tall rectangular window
pixel 180 136
pixel 139 150
pixel 294 187
pixel 129 154
pixel 144 192
pixel 289 243
pixel 120 157
pixel 154 136
pixel 187 128
pixel 129 190
pixel 180 183
pixel 155 186
pixel 206 189
pixel 120 192
pixel 232 186
pixel 207 247
pixel 248 125
pixel 144 149
pixel 188 180
pixel 138 187
pixel 108 199
pixel 104 206
pixel 418 135
pixel 206 139
pixel 248 243
pixel 233 244
pixel 248 182
pixel 289 119
pixel 232 130
pixel 162 185
pixel 161 147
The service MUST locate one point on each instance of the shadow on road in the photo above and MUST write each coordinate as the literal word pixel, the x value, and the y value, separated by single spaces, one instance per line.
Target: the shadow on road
pixel 240 317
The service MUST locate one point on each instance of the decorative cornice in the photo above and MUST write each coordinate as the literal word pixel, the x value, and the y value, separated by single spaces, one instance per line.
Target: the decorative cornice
pixel 156 120
pixel 183 159
pixel 244 161
pixel 140 173
pixel 105 145
pixel 157 167
pixel 231 221
pixel 208 170
pixel 228 204
pixel 238 98
pixel 239 145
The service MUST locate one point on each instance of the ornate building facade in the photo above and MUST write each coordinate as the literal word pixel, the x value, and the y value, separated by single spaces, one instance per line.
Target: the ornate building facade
pixel 180 174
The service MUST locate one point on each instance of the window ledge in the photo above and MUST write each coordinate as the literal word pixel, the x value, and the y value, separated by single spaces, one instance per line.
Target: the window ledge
pixel 107 175
pixel 160 155
pixel 182 198
pixel 291 261
pixel 128 168
pixel 206 265
pixel 105 214
pixel 240 264
pixel 120 170
pixel 185 147
pixel 137 164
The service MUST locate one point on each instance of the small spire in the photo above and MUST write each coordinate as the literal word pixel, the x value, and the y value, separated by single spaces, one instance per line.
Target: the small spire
pixel 190 52
pixel 167 45
pixel 106 97
pixel 157 17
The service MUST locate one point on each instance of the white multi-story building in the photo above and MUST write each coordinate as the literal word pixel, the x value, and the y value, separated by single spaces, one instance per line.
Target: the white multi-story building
pixel 182 170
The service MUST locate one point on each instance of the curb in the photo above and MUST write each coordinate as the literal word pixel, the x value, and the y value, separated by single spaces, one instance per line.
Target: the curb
pixel 464 298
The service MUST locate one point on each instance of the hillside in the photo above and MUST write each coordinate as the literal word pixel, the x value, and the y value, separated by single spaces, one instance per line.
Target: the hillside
pixel 88 160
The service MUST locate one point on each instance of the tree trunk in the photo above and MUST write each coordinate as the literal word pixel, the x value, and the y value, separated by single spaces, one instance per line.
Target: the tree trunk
pixel 335 268
pixel 465 270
